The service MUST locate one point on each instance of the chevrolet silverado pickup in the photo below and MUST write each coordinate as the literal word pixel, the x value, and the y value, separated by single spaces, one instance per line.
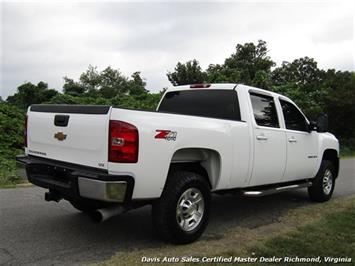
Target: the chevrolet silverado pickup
pixel 202 139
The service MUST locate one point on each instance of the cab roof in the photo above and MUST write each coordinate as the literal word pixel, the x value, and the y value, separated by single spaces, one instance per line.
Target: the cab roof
pixel 225 86
pixel 215 86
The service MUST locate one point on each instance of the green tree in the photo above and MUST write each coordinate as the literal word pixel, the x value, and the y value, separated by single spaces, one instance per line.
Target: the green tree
pixel 316 91
pixel 303 71
pixel 108 84
pixel 339 104
pixel 73 88
pixel 136 85
pixel 29 93
pixel 91 79
pixel 11 124
pixel 187 73
pixel 302 81
pixel 220 74
pixel 113 83
pixel 249 65
pixel 251 61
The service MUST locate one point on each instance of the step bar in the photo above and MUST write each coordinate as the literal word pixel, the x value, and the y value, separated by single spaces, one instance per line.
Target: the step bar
pixel 269 191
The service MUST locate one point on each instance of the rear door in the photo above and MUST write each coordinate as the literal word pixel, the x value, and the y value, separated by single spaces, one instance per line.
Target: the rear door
pixel 301 144
pixel 269 141
pixel 73 134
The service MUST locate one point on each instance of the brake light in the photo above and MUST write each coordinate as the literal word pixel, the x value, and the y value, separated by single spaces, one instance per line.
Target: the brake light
pixel 25 132
pixel 200 86
pixel 123 142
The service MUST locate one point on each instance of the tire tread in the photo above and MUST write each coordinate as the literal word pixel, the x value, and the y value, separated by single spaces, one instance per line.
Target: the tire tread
pixel 162 208
pixel 316 190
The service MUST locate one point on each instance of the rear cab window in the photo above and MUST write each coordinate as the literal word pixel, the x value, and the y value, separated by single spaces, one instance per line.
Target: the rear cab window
pixel 221 104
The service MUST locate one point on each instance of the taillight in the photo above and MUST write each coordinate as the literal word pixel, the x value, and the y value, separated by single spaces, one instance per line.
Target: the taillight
pixel 200 86
pixel 123 142
pixel 25 132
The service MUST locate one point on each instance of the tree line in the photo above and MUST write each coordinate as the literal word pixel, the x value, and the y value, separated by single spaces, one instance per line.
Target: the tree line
pixel 315 90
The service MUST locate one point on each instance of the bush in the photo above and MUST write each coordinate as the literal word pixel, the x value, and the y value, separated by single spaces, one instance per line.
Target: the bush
pixel 11 128
pixel 11 141
pixel 144 101
pixel 8 174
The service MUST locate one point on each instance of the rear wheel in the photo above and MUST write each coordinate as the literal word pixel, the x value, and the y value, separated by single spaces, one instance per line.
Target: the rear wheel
pixel 181 214
pixel 323 184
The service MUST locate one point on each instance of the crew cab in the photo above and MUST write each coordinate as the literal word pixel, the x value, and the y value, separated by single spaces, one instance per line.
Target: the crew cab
pixel 202 138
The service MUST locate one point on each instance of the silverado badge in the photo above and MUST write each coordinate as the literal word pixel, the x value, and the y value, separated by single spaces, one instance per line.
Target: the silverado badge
pixel 60 136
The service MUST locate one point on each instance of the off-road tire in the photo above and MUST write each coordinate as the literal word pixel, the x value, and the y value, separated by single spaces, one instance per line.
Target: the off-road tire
pixel 164 210
pixel 319 191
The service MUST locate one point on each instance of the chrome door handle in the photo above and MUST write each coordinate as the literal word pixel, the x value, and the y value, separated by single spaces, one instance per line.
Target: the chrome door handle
pixel 292 140
pixel 261 137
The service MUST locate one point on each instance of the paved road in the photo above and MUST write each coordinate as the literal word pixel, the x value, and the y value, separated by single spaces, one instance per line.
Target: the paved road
pixel 35 232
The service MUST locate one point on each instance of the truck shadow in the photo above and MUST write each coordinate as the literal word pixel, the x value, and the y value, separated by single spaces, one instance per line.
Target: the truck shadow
pixel 229 211
pixel 57 232
pixel 134 230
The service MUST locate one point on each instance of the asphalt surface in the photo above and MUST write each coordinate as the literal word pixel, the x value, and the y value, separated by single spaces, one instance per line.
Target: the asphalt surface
pixel 35 232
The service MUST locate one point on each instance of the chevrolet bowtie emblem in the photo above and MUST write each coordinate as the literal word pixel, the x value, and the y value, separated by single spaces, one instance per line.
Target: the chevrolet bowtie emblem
pixel 60 136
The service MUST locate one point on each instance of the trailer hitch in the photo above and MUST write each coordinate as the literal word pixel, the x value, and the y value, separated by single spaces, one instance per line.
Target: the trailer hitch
pixel 52 196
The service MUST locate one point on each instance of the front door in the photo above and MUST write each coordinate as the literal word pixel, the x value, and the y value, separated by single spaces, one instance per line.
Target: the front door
pixel 302 145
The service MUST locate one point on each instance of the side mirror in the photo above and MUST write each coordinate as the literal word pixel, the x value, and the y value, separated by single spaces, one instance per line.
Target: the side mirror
pixel 322 123
pixel 312 126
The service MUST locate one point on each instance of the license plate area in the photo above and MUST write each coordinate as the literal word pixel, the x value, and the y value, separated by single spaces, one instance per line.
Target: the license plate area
pixel 51 174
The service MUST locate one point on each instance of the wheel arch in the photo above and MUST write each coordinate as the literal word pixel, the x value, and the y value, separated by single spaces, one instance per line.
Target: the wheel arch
pixel 332 156
pixel 204 161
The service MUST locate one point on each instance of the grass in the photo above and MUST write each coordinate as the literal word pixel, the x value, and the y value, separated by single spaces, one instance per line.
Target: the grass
pixel 20 184
pixel 330 236
pixel 316 230
pixel 346 152
pixel 8 173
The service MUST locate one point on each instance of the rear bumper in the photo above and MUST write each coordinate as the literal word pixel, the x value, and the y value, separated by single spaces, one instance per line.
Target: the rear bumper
pixel 76 182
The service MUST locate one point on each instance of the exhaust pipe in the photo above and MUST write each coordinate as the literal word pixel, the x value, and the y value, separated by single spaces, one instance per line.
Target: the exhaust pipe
pixel 101 215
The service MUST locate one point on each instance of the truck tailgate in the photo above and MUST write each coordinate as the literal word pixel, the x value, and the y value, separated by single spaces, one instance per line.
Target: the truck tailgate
pixel 69 133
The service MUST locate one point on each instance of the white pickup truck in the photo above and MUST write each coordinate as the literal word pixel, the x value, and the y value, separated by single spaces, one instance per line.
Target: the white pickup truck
pixel 202 138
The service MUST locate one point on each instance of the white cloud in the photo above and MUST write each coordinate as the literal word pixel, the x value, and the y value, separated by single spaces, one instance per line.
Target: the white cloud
pixel 46 41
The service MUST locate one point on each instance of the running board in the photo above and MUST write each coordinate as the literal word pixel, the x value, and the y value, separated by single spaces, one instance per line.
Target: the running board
pixel 269 191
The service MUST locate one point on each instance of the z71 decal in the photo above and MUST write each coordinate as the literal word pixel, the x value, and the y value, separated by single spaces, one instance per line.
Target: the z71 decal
pixel 166 134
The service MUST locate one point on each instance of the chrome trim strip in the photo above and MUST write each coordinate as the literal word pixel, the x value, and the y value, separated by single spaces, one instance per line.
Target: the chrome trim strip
pixel 269 191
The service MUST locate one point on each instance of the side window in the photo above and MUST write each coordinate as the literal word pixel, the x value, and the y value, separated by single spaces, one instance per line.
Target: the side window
pixel 264 110
pixel 294 119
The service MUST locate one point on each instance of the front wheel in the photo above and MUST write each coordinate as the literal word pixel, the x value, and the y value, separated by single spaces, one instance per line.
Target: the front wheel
pixel 323 184
pixel 181 214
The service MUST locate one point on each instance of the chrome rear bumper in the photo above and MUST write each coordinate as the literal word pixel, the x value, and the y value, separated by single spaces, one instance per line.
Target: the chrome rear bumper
pixel 76 182
pixel 112 191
